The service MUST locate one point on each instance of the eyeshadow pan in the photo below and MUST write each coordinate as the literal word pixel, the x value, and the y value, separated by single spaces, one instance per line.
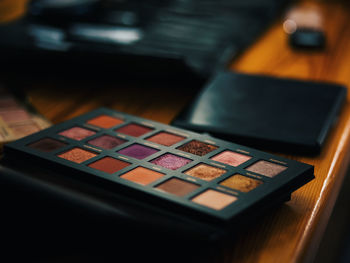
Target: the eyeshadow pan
pixel 266 168
pixel 177 187
pixel 47 145
pixel 197 147
pixel 138 151
pixel 105 121
pixel 106 141
pixel 231 158
pixel 108 165
pixel 77 133
pixel 142 175
pixel 171 161
pixel 77 155
pixel 214 199
pixel 134 129
pixel 241 183
pixel 166 138
pixel 205 172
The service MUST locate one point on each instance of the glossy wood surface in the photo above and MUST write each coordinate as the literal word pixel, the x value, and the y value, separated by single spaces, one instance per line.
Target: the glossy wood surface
pixel 292 232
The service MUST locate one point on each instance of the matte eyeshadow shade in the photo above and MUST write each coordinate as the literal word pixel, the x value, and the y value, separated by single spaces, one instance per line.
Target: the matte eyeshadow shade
pixel 77 155
pixel 214 199
pixel 205 172
pixel 77 133
pixel 177 187
pixel 231 158
pixel 106 141
pixel 138 151
pixel 134 130
pixel 171 161
pixel 47 145
pixel 108 165
pixel 197 148
pixel 142 175
pixel 166 138
pixel 105 121
pixel 241 183
pixel 266 168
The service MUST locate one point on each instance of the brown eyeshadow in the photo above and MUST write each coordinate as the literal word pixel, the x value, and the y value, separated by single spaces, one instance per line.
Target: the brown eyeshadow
pixel 166 138
pixel 266 168
pixel 142 175
pixel 177 187
pixel 205 172
pixel 134 129
pixel 214 199
pixel 77 133
pixel 108 165
pixel 241 183
pixel 197 147
pixel 47 145
pixel 105 121
pixel 77 155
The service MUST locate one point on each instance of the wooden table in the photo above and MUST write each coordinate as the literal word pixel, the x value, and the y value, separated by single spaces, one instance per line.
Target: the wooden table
pixel 293 232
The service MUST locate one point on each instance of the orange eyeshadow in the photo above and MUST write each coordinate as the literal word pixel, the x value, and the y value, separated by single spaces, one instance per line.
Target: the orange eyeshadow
pixel 142 175
pixel 105 121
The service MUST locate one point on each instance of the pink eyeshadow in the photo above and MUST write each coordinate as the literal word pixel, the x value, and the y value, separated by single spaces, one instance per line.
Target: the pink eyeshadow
pixel 231 158
pixel 77 133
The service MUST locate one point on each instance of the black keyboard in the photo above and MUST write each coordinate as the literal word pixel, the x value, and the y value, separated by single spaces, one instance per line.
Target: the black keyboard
pixel 165 38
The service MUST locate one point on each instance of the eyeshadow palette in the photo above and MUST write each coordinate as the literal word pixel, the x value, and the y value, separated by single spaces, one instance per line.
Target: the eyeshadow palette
pixel 186 173
pixel 18 118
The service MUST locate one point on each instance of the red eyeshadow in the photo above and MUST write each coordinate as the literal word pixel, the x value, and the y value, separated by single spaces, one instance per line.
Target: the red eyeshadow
pixel 109 165
pixel 134 130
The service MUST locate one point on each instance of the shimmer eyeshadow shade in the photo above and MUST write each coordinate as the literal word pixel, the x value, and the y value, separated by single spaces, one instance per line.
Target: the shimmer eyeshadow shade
pixel 171 161
pixel 138 151
pixel 231 158
pixel 205 172
pixel 77 133
pixel 142 175
pixel 77 155
pixel 214 199
pixel 165 138
pixel 47 145
pixel 241 183
pixel 177 187
pixel 105 121
pixel 266 168
pixel 108 165
pixel 168 172
pixel 197 148
pixel 135 130
pixel 106 141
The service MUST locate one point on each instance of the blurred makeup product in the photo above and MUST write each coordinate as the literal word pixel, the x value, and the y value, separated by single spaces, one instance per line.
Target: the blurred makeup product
pixel 206 185
pixel 17 117
pixel 279 114
pixel 305 27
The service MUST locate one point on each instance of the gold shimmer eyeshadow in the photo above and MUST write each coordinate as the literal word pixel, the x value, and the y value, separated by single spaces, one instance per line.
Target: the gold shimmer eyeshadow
pixel 231 158
pixel 105 121
pixel 266 168
pixel 142 175
pixel 205 172
pixel 197 148
pixel 241 183
pixel 77 155
pixel 166 171
pixel 214 199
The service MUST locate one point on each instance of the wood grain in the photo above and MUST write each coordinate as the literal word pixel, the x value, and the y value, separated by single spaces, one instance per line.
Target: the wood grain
pixel 292 232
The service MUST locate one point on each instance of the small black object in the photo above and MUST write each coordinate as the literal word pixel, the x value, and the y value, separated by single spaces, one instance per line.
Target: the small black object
pixel 264 112
pixel 307 38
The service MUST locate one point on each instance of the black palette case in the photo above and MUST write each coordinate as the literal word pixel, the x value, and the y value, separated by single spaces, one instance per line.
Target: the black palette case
pixel 284 115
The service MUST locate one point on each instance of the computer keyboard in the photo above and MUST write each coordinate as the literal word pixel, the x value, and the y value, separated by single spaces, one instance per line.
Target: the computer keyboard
pixel 170 37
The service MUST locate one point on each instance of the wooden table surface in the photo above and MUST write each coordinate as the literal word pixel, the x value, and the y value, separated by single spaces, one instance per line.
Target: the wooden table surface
pixel 292 232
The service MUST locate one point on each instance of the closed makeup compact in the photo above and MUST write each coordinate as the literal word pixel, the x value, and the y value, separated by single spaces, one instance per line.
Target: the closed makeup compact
pixel 269 113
